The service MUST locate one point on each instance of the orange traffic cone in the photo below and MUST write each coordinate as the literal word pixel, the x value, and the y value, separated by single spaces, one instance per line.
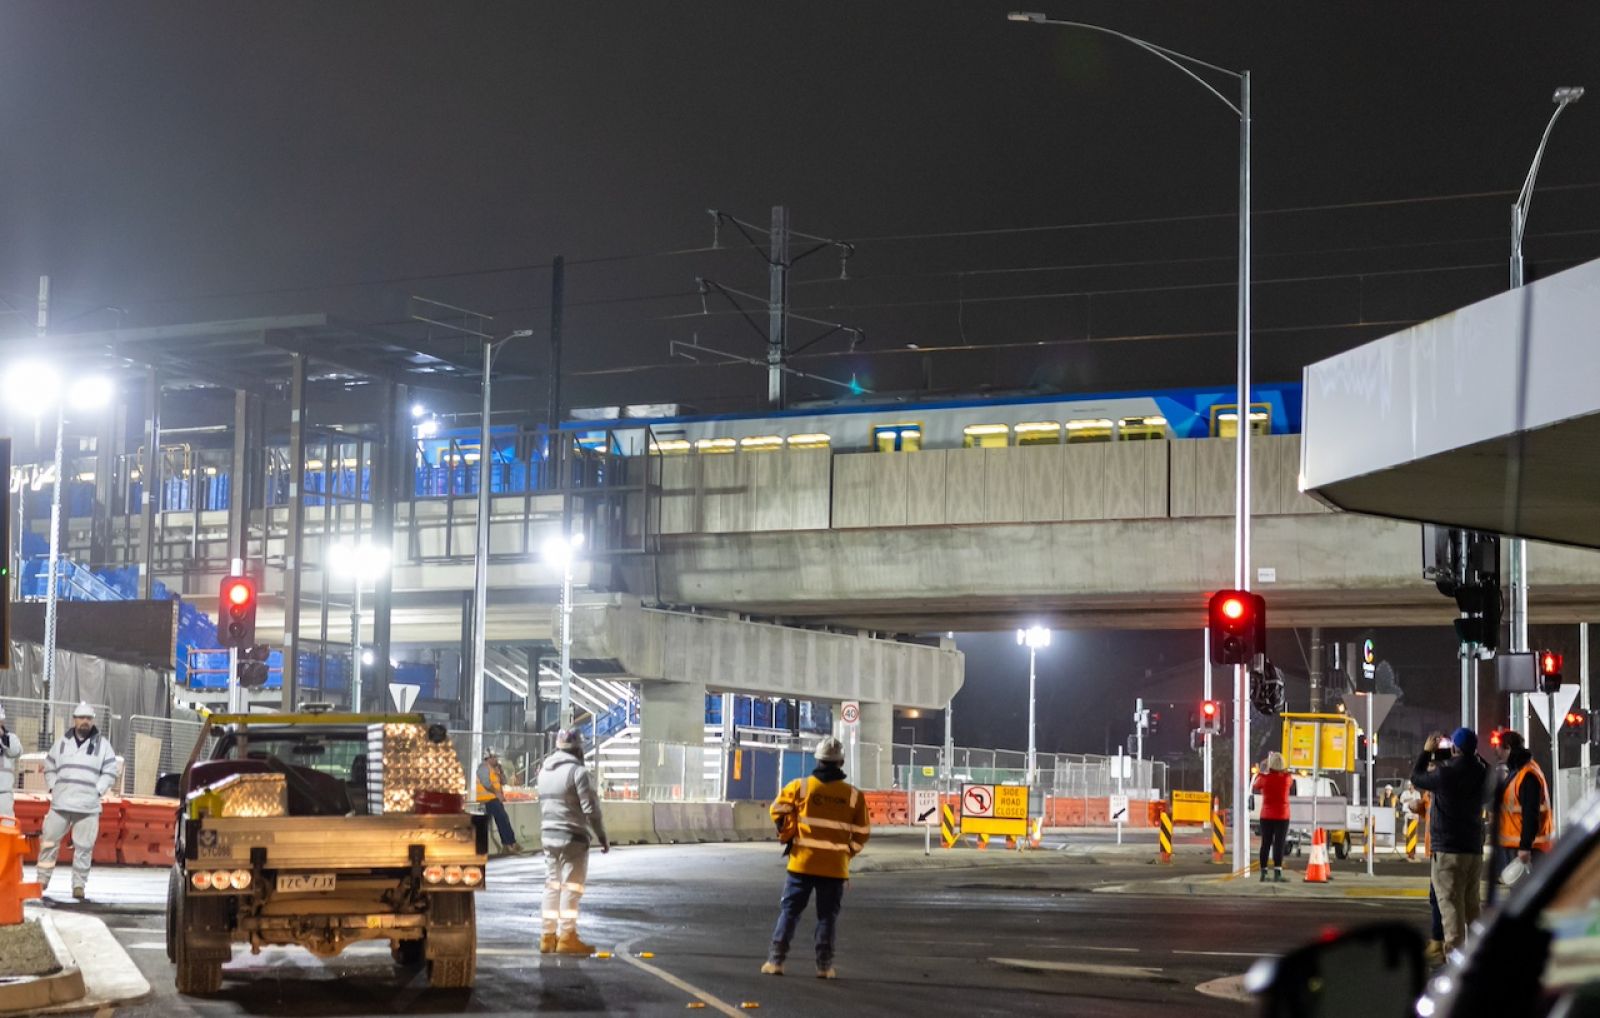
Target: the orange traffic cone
pixel 1317 871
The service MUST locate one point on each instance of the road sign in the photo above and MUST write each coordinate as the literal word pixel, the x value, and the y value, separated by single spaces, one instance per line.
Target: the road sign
pixel 1301 733
pixel 1369 660
pixel 404 695
pixel 1541 702
pixel 850 713
pixel 977 801
pixel 1119 809
pixel 994 809
pixel 1191 807
pixel 925 808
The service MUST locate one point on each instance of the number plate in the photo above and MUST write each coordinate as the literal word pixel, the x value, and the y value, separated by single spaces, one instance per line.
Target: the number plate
pixel 298 882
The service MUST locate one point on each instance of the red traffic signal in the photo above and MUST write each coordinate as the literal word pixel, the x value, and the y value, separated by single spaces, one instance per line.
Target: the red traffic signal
pixel 1575 719
pixel 1494 738
pixel 236 621
pixel 1238 627
pixel 1549 671
pixel 1209 709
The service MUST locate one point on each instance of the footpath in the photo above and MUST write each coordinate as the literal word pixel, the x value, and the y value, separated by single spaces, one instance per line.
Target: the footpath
pixel 92 971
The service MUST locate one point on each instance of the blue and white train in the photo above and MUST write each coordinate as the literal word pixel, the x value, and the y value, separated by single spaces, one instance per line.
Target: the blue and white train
pixel 992 422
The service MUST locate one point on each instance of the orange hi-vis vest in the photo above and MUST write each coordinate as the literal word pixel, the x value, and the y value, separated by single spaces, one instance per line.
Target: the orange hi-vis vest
pixel 1511 810
pixel 825 823
pixel 493 790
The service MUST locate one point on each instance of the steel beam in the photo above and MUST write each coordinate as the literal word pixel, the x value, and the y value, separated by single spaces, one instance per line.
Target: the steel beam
pixel 294 540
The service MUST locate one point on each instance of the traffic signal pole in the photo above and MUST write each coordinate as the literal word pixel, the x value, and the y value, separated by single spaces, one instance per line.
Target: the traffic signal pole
pixel 1206 750
pixel 1241 542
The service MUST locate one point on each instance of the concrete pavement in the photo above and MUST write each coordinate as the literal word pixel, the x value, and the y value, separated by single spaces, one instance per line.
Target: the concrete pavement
pixel 1002 933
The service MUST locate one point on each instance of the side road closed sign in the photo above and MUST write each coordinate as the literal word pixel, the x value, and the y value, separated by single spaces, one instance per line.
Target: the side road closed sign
pixel 994 810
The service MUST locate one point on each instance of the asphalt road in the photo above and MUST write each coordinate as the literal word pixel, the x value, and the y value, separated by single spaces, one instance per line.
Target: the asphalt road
pixel 934 941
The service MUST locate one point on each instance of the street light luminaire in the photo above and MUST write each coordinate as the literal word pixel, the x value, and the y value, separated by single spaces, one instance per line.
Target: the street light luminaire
pixel 1567 94
pixel 560 551
pixel 1033 638
pixel 1031 16
pixel 91 393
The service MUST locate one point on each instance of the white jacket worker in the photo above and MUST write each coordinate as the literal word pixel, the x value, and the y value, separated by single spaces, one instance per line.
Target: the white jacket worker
pixel 79 770
pixel 569 810
pixel 10 749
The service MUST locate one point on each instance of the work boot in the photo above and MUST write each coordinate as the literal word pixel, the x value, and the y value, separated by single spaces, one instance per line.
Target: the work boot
pixel 79 893
pixel 827 973
pixel 568 943
pixel 1277 875
pixel 42 878
pixel 772 968
pixel 1263 874
pixel 513 849
pixel 1433 954
pixel 547 943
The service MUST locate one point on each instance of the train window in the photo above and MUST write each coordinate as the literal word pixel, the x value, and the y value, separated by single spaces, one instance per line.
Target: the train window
pixel 986 436
pixel 1039 433
pixel 897 437
pixel 1139 429
pixel 813 441
pixel 761 443
pixel 1088 430
pixel 707 445
pixel 1225 419
pixel 670 446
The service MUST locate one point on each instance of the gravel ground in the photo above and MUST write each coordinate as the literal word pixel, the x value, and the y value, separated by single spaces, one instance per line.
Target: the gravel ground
pixel 24 951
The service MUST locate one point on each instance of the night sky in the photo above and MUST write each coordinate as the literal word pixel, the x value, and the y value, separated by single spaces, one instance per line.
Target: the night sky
pixel 159 154
pixel 1030 207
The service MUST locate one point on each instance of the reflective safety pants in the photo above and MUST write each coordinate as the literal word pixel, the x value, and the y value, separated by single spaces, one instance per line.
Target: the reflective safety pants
pixel 566 868
pixel 7 804
pixel 85 830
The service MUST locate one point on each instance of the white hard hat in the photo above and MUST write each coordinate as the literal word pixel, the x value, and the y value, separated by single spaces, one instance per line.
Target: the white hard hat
pixel 83 710
pixel 830 750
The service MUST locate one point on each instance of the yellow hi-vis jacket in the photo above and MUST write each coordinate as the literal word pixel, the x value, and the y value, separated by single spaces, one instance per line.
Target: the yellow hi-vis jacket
pixel 490 785
pixel 830 825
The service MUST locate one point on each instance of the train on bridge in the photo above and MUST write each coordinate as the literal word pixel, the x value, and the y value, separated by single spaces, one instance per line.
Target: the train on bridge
pixel 995 422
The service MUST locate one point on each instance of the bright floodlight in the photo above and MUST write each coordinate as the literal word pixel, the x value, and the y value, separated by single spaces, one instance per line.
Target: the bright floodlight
pixel 366 657
pixel 362 561
pixel 428 428
pixel 1568 94
pixel 1034 16
pixel 559 551
pixel 32 386
pixel 91 393
pixel 1034 638
pixel 417 410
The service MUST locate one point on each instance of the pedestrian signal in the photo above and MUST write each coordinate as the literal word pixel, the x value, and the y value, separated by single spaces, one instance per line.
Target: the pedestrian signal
pixel 253 666
pixel 1549 671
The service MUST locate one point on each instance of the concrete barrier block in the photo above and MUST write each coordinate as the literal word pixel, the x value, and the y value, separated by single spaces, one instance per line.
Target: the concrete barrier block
pixel 525 816
pixel 752 822
pixel 630 823
pixel 694 822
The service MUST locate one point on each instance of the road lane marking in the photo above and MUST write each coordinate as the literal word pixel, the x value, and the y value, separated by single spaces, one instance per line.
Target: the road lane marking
pixel 1226 954
pixel 147 945
pixel 1086 969
pixel 623 951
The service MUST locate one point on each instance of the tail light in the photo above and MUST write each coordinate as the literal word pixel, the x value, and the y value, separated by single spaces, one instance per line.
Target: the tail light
pixel 433 874
pixel 452 875
pixel 472 876
pixel 201 879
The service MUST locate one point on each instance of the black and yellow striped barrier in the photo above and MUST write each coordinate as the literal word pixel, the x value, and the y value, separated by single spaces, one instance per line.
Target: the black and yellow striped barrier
pixel 1165 834
pixel 1219 836
pixel 947 826
pixel 1412 826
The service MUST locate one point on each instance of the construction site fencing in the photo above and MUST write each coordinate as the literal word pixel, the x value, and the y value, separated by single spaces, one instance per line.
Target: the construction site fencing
pixel 27 718
pixel 520 754
pixel 151 747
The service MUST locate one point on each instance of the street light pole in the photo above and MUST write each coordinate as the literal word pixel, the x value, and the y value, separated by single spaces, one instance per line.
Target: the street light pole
pixel 1241 532
pixel 1518 555
pixel 1034 638
pixel 355 649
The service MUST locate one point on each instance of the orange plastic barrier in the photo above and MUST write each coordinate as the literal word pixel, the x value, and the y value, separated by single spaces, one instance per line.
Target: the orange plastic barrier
pixel 105 845
pixel 888 809
pixel 148 831
pixel 12 890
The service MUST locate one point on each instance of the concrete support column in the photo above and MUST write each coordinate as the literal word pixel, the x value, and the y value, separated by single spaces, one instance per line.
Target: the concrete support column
pixel 874 757
pixel 672 734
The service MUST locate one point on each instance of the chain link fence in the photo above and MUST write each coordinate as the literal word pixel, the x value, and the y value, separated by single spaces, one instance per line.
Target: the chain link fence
pixel 29 719
pixel 151 747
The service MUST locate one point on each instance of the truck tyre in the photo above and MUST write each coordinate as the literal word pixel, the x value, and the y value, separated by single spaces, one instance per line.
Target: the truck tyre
pixel 1341 848
pixel 196 976
pixel 458 969
pixel 174 882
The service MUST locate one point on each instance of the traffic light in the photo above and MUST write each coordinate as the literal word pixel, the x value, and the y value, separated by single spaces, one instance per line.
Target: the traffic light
pixel 1576 720
pixel 236 619
pixel 1549 671
pixel 1238 627
pixel 253 666
pixel 1267 694
pixel 1154 722
pixel 1494 739
pixel 1211 717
